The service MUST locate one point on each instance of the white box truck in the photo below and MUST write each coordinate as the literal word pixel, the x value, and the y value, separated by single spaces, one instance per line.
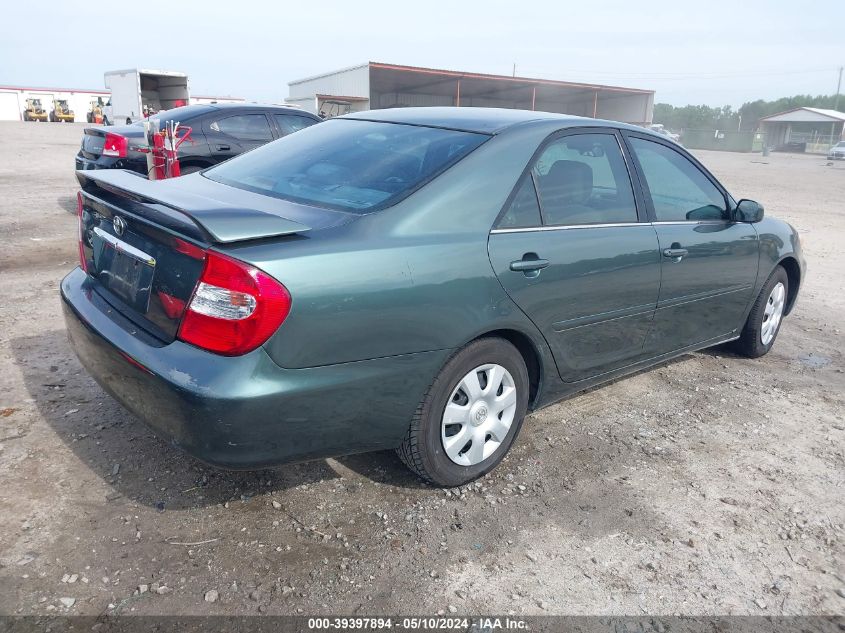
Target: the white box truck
pixel 136 89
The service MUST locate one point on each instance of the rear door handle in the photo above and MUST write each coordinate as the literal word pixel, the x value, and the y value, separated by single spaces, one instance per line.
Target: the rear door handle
pixel 675 253
pixel 529 265
pixel 223 148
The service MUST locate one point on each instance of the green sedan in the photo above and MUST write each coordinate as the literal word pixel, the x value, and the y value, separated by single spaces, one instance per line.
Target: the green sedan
pixel 416 279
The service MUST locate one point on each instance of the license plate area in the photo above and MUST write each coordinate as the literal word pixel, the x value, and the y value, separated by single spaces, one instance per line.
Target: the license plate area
pixel 123 269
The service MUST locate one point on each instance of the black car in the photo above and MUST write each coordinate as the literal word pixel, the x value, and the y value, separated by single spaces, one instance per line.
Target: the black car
pixel 218 131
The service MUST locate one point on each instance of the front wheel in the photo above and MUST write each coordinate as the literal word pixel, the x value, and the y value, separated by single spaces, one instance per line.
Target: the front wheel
pixel 763 324
pixel 470 416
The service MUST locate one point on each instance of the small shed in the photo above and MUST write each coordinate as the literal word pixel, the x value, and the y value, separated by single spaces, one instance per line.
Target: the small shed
pixel 805 129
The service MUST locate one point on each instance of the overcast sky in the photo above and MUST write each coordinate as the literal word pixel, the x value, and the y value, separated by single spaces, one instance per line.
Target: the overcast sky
pixel 710 52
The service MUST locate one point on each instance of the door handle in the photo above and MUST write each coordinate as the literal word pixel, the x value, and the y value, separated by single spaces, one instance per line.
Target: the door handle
pixel 527 264
pixel 223 148
pixel 675 253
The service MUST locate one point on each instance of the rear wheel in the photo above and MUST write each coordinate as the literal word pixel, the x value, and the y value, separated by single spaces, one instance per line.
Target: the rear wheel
pixel 764 321
pixel 470 416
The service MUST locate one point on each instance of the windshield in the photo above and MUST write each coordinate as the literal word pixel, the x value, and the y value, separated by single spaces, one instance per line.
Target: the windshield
pixel 348 164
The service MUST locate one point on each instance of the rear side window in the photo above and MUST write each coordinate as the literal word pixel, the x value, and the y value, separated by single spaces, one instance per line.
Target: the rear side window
pixel 348 164
pixel 523 211
pixel 246 127
pixel 289 123
pixel 583 179
pixel 679 190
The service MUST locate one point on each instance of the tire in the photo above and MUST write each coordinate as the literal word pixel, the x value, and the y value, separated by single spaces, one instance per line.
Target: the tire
pixel 761 331
pixel 424 448
pixel 128 121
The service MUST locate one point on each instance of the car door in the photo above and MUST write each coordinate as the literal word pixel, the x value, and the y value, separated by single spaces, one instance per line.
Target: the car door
pixel 573 252
pixel 232 134
pixel 708 262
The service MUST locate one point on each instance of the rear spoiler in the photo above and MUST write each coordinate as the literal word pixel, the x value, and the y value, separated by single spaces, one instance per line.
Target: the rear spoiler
pixel 223 223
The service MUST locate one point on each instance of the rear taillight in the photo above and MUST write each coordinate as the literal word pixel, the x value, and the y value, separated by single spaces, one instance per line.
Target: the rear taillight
pixel 115 145
pixel 235 307
pixel 80 210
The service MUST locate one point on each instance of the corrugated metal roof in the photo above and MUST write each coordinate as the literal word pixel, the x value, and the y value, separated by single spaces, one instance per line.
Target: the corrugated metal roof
pixel 835 115
pixel 507 78
pixel 40 89
pixel 328 74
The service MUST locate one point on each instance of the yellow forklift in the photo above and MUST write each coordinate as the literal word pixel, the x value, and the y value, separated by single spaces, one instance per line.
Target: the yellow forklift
pixel 34 111
pixel 61 111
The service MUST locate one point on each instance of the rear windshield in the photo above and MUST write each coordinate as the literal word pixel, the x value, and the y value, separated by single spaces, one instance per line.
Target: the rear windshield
pixel 177 114
pixel 346 164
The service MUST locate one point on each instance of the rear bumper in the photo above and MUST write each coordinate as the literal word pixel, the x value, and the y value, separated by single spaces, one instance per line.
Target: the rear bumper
pixel 244 412
pixel 109 162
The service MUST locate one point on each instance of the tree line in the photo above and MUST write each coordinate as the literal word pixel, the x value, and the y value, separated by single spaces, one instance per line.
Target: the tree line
pixel 746 118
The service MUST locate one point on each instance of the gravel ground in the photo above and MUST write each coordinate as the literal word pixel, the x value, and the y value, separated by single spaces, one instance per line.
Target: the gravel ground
pixel 709 485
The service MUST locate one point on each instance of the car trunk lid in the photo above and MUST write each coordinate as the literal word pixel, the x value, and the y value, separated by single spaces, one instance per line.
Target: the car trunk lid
pixel 94 138
pixel 146 242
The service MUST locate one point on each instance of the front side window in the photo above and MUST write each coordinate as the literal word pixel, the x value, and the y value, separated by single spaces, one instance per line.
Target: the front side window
pixel 245 127
pixel 679 190
pixel 348 164
pixel 583 179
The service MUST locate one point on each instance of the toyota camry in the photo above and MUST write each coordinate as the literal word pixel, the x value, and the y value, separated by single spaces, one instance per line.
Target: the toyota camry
pixel 416 279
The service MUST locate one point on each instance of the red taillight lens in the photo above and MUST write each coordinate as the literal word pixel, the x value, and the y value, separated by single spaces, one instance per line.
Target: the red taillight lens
pixel 80 209
pixel 115 145
pixel 235 307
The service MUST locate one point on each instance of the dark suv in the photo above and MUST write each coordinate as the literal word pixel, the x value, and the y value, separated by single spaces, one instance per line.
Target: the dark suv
pixel 218 131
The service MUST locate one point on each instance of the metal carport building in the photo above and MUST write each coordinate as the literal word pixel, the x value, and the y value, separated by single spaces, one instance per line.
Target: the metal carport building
pixel 816 129
pixel 376 85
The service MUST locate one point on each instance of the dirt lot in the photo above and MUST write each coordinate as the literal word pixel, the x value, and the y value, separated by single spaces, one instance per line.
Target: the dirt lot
pixel 711 485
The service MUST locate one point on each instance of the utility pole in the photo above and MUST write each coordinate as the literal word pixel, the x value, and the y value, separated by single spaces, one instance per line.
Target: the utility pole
pixel 836 107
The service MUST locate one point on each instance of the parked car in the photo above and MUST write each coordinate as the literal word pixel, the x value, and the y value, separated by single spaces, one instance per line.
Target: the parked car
pixel 659 128
pixel 218 132
pixel 415 279
pixel 837 152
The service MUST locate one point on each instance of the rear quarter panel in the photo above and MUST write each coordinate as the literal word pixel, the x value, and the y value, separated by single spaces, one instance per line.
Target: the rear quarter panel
pixel 415 277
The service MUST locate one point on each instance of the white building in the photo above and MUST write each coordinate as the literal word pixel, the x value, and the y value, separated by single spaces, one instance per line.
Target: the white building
pixel 13 100
pixel 376 85
pixel 816 129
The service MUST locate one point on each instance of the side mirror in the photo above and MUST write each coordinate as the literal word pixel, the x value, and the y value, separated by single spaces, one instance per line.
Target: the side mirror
pixel 748 211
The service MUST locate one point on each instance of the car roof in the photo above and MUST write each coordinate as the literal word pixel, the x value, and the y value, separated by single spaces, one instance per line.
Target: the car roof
pixel 481 120
pixel 258 106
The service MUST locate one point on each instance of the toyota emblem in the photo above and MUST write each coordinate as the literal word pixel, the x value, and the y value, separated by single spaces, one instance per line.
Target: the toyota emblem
pixel 119 225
